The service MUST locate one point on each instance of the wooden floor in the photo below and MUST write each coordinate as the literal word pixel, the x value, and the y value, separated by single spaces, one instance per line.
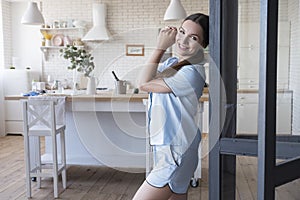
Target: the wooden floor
pixel 103 183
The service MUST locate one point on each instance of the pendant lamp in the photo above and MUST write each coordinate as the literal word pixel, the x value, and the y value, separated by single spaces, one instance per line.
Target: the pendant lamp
pixel 175 11
pixel 32 15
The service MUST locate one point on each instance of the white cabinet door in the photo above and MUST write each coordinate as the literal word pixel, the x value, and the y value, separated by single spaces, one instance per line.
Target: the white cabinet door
pixel 284 113
pixel 284 33
pixel 247 118
pixel 247 113
pixel 283 63
pixel 248 34
pixel 13 117
pixel 248 63
pixel 248 70
pixel 13 110
pixel 284 119
pixel 248 54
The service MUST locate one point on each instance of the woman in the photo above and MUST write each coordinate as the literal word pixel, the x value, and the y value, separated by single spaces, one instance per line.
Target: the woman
pixel 174 91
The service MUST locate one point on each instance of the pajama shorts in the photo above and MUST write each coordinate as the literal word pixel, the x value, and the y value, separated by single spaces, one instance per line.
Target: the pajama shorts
pixel 174 168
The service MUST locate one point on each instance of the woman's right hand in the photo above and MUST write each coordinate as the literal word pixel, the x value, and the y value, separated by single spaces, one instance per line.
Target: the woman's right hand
pixel 166 37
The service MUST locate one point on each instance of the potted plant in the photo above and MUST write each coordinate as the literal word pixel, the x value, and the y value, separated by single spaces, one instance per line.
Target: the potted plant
pixel 82 61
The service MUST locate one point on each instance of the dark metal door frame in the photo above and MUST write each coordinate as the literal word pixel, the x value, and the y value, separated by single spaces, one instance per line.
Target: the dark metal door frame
pixel 224 144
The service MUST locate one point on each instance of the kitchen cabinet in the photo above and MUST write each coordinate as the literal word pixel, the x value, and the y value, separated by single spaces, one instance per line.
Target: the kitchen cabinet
pixel 248 55
pixel 15 82
pixel 248 78
pixel 13 117
pixel 248 34
pixel 247 113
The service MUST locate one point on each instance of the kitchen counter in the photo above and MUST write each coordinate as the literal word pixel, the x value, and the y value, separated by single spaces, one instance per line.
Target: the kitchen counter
pixel 101 96
pixel 256 91
pixel 105 129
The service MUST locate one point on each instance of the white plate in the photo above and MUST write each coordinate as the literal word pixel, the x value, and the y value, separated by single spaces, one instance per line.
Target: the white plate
pixel 58 40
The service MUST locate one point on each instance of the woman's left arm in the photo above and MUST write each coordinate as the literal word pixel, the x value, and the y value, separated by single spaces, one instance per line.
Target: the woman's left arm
pixel 156 85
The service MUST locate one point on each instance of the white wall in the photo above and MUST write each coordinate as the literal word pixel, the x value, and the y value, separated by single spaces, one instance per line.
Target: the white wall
pixel 294 17
pixel 4 16
pixel 1 38
pixel 6 33
pixel 25 40
pixel 2 117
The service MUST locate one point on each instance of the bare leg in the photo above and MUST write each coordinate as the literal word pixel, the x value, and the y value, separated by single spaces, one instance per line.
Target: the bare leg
pixel 178 197
pixel 148 192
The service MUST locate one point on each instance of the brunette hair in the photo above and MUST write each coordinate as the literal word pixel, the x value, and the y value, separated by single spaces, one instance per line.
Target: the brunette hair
pixel 203 21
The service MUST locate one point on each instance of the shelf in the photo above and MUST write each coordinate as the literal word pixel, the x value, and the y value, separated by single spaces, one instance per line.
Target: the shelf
pixel 57 29
pixel 61 31
pixel 52 47
pixel 45 49
pixel 57 47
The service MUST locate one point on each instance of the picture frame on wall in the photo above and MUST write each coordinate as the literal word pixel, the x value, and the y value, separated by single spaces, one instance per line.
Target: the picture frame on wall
pixel 135 50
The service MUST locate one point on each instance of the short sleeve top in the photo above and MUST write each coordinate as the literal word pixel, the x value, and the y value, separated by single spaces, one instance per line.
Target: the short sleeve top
pixel 172 115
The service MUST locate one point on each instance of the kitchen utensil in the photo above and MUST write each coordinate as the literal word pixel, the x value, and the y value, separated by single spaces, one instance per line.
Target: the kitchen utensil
pixel 117 79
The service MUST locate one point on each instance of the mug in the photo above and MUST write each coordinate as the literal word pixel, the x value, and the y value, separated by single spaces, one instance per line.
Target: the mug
pixel 120 87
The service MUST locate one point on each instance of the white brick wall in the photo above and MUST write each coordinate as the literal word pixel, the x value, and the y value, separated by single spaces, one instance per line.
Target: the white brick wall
pixel 5 43
pixel 1 39
pixel 129 21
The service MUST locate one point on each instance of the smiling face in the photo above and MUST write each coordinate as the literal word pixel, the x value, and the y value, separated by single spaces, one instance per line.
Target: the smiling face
pixel 189 39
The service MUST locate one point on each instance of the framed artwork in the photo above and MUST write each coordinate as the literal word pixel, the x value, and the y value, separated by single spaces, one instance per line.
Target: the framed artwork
pixel 135 50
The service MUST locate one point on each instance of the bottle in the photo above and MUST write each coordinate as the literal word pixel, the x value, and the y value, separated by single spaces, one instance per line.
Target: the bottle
pixel 59 87
pixel 43 41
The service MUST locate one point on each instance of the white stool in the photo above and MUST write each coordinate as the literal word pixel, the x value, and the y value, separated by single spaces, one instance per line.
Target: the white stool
pixel 39 121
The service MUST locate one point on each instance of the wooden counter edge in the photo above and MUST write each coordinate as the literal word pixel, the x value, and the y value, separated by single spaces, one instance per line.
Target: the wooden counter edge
pixel 101 98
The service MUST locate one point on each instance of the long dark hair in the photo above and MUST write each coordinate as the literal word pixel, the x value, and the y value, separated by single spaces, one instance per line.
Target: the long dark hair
pixel 203 21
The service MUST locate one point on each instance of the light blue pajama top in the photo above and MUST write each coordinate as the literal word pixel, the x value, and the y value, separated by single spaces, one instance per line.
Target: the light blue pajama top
pixel 172 115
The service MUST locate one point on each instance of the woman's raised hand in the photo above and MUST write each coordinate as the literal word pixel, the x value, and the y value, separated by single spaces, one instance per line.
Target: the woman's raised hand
pixel 166 37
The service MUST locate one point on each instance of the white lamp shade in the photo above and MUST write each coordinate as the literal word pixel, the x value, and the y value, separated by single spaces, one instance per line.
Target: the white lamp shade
pixel 175 11
pixel 32 15
pixel 99 31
